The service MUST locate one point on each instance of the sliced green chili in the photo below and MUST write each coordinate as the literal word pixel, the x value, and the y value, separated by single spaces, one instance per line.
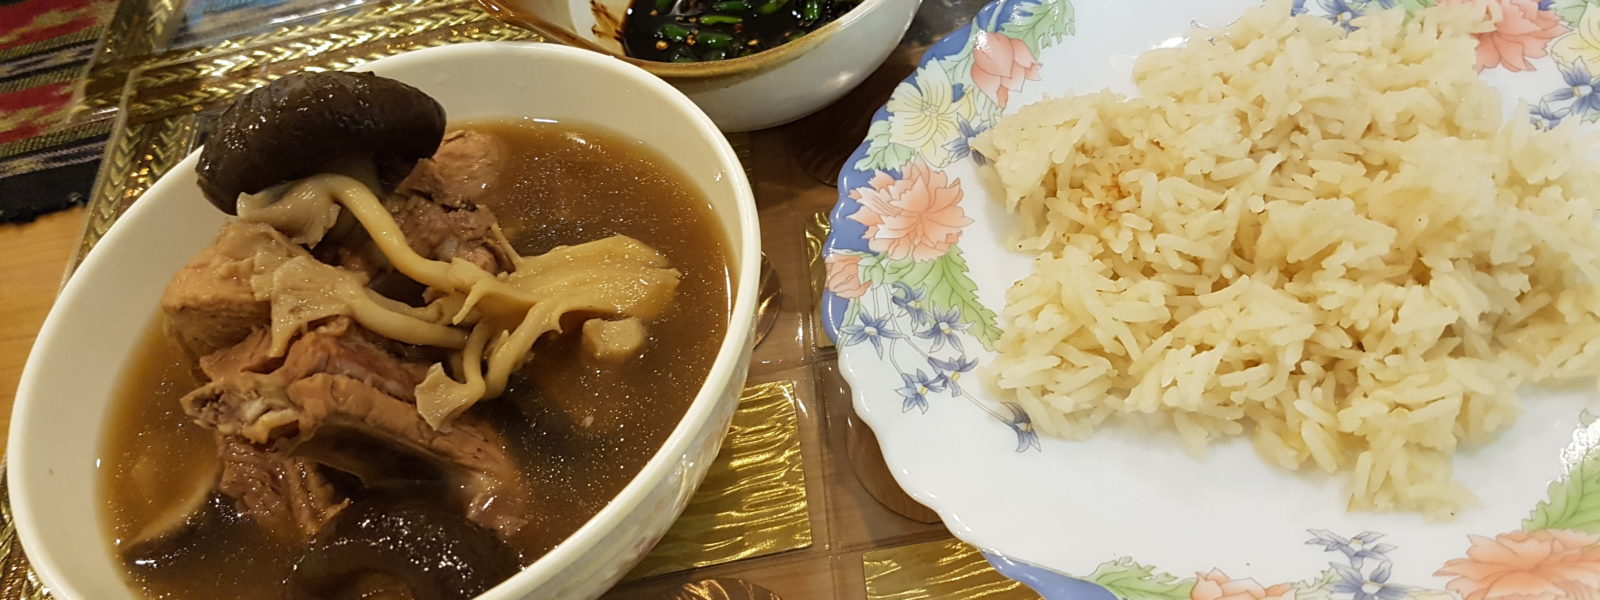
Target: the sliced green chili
pixel 674 32
pixel 707 30
pixel 715 39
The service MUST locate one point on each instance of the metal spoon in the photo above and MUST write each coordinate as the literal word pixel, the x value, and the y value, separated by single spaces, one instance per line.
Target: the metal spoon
pixel 768 300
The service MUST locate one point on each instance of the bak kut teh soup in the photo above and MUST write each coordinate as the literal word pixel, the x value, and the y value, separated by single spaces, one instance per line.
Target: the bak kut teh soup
pixel 402 378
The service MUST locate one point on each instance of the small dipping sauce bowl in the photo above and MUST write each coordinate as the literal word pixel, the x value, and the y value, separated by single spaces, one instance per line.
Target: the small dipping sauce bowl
pixel 766 89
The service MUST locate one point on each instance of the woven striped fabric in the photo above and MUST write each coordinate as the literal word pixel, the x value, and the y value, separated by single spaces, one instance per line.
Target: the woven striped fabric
pixel 46 163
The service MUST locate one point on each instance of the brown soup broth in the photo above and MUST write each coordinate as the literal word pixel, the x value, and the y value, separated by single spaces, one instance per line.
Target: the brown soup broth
pixel 579 433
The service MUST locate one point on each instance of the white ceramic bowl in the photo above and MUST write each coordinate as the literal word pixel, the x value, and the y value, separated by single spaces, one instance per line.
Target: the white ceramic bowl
pixel 762 90
pixel 87 340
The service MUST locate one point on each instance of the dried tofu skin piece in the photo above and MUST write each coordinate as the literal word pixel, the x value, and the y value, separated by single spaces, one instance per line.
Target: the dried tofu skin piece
pixel 303 291
pixel 616 277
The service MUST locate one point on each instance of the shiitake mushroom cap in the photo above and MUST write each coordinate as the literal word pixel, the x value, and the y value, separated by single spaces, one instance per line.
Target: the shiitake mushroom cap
pixel 295 126
pixel 426 552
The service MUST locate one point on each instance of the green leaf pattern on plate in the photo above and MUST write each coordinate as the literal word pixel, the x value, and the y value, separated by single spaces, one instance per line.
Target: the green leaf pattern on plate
pixel 1571 11
pixel 1573 503
pixel 1132 581
pixel 1043 24
pixel 909 290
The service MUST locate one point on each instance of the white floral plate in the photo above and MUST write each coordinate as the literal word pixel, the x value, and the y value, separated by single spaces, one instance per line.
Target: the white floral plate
pixel 916 273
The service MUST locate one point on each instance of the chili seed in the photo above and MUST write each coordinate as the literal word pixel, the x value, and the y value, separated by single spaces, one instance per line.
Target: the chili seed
pixel 661 44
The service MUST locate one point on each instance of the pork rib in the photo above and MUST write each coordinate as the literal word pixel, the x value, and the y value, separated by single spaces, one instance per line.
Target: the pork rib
pixel 338 346
pixel 354 427
pixel 288 496
pixel 209 304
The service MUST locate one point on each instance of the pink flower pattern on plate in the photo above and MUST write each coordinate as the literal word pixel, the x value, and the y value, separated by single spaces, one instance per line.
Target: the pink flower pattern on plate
pixel 844 276
pixel 1000 65
pixel 917 216
pixel 1545 564
pixel 1518 31
pixel 1216 585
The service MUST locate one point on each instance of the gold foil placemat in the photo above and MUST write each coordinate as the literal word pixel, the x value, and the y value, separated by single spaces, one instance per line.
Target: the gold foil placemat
pixel 753 501
pixel 817 228
pixel 721 588
pixel 942 569
pixel 17 579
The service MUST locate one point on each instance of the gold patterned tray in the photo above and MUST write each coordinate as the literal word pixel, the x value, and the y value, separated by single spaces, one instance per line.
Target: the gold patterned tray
pixel 168 105
pixel 798 505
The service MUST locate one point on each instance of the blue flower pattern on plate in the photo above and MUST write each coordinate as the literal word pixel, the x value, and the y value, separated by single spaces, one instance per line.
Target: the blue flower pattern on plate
pixel 916 301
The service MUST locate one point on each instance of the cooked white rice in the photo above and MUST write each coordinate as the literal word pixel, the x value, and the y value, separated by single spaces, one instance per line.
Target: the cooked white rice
pixel 1331 243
